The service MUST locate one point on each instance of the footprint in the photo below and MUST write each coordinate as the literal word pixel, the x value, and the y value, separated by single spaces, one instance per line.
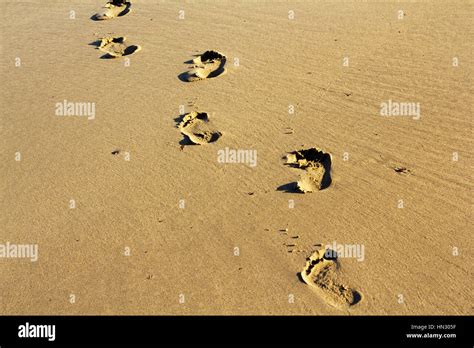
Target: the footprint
pixel 321 274
pixel 312 179
pixel 113 9
pixel 115 47
pixel 317 169
pixel 196 126
pixel 208 65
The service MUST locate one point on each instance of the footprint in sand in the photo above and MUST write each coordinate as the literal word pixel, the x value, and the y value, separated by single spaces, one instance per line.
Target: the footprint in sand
pixel 317 170
pixel 321 275
pixel 196 127
pixel 115 47
pixel 205 66
pixel 112 9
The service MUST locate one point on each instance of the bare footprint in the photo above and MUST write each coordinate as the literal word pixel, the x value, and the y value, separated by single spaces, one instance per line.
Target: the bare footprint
pixel 196 126
pixel 208 65
pixel 113 9
pixel 317 169
pixel 321 275
pixel 312 179
pixel 115 47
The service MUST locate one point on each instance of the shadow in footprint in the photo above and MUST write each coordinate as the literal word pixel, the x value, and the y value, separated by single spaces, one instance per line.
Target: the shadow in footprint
pixel 326 162
pixel 95 43
pixel 357 297
pixel 184 77
pixel 331 254
pixel 300 277
pixel 127 51
pixel 179 119
pixel 291 187
pixel 186 141
pixel 190 76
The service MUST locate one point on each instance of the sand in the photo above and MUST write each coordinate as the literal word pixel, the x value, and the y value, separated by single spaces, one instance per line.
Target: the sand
pixel 128 219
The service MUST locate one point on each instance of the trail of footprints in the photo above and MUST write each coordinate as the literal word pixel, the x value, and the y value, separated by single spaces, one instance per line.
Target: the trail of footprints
pixel 321 273
pixel 196 126
pixel 114 47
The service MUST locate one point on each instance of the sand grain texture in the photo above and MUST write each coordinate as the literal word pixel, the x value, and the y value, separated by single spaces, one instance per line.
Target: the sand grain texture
pixel 180 212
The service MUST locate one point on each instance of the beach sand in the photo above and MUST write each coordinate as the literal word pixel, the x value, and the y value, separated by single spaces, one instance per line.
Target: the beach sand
pixel 162 227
